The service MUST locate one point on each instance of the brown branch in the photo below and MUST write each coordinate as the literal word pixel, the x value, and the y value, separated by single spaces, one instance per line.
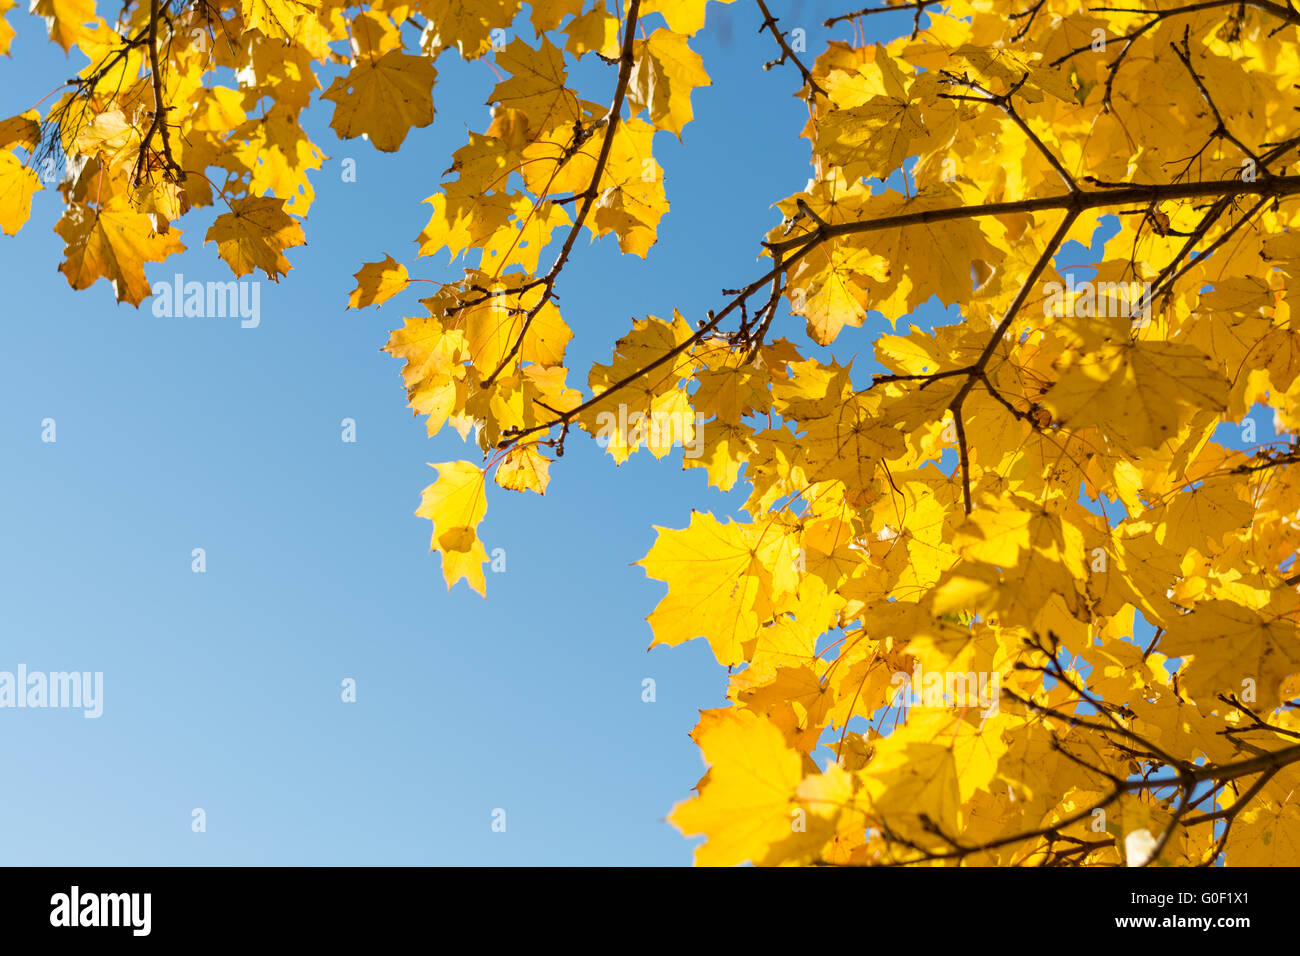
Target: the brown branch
pixel 1152 752
pixel 1129 193
pixel 767 313
pixel 172 169
pixel 1184 806
pixel 1258 723
pixel 769 24
pixel 1286 14
pixel 1221 128
pixel 1026 416
pixel 513 437
pixel 1104 708
pixel 1003 102
pixel 1227 234
pixel 1276 9
pixel 626 63
pixel 976 370
pixel 1074 203
pixel 918 6
pixel 963 453
pixel 1028 16
pixel 1237 806
pixel 1277 461
pixel 1267 763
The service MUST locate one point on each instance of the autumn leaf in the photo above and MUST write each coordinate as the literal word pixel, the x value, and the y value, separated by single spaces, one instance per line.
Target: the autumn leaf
pixel 684 16
pixel 377 282
pixel 17 185
pixel 524 469
pixel 1235 650
pixel 666 72
pixel 254 235
pixel 384 99
pixel 548 14
pixel 747 801
pixel 68 21
pixel 465 26
pixel 596 30
pixel 112 244
pixel 1139 394
pixel 23 130
pixel 719 585
pixel 6 31
pixel 456 504
pixel 277 18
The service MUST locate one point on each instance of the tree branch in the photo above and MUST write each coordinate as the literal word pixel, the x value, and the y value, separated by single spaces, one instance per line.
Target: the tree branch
pixel 589 197
pixel 769 24
pixel 171 168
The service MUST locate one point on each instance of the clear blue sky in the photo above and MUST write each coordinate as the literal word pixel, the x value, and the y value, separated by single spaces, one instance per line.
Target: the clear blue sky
pixel 222 690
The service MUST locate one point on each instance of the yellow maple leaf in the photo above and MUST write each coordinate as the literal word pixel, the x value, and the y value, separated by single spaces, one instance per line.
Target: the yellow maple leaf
pixel 747 802
pixel 595 30
pixel 277 155
pixel 383 99
pixel 721 581
pixel 279 19
pixel 1266 837
pixel 377 282
pixel 112 243
pixel 537 86
pixel 1139 393
pixel 23 130
pixel 1234 651
pixel 17 185
pixel 254 234
pixel 6 31
pixel 666 70
pixel 546 14
pixel 68 21
pixel 524 468
pixel 456 504
pixel 465 25
pixel 683 16
pixel 910 779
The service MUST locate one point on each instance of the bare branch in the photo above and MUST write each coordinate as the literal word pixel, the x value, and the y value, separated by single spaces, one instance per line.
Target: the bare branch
pixel 770 24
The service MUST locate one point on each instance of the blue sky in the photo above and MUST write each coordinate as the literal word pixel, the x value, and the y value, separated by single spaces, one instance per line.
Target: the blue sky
pixel 222 689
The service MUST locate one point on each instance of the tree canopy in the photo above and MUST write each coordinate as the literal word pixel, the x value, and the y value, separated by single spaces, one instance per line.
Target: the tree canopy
pixel 1024 596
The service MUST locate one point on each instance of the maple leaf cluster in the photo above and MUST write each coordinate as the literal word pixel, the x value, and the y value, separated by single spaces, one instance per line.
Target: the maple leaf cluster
pixel 1033 505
